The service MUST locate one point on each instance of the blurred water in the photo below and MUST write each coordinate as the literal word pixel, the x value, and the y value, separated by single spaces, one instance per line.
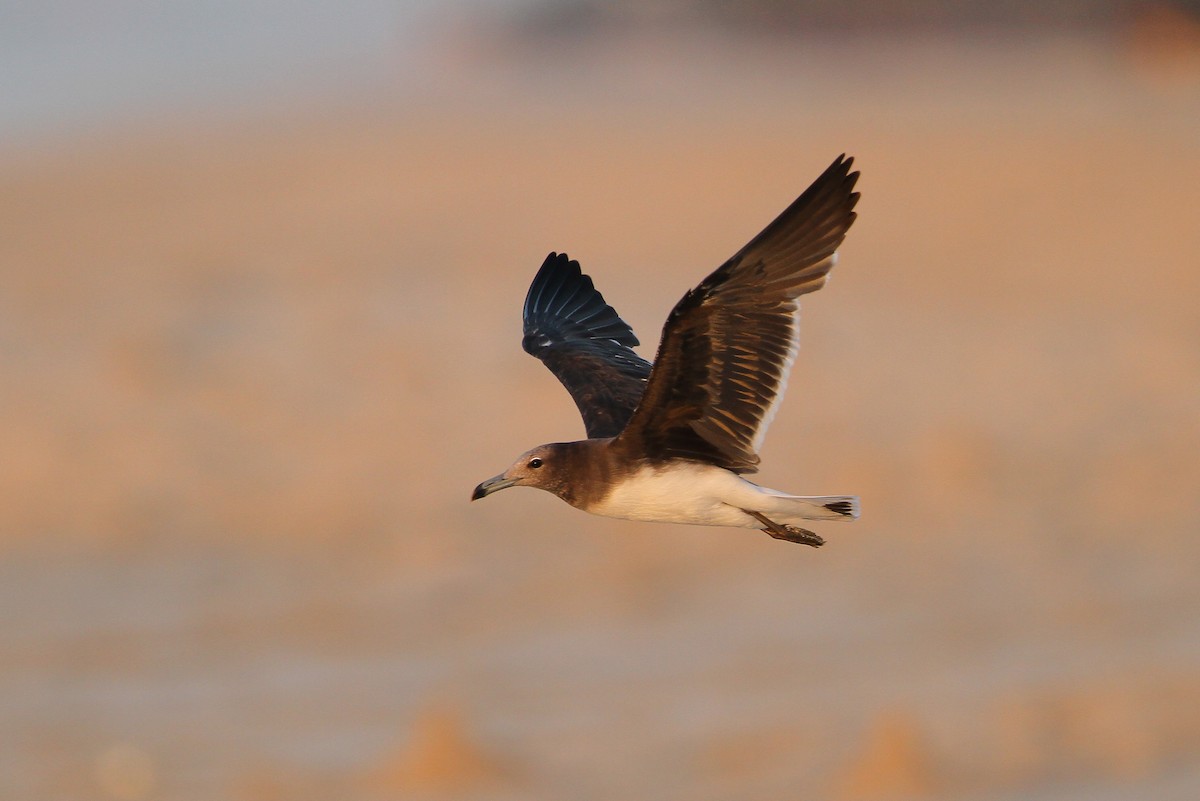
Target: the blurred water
pixel 224 574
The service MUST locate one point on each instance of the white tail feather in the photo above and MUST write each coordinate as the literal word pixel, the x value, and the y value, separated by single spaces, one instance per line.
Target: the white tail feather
pixel 791 508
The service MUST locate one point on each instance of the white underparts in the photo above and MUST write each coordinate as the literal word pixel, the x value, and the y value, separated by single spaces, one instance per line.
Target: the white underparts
pixel 706 495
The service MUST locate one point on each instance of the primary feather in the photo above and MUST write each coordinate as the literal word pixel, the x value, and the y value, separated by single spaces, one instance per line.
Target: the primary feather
pixel 587 346
pixel 727 346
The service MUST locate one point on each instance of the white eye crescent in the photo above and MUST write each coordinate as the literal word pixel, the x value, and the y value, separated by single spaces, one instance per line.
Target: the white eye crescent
pixel 535 462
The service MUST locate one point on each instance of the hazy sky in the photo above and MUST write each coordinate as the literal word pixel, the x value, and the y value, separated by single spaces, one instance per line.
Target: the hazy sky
pixel 77 63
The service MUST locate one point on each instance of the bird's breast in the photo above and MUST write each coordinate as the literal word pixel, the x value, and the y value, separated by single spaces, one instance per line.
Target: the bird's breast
pixel 679 492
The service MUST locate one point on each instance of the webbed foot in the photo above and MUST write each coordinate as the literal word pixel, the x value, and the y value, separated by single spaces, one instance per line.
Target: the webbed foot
pixel 782 531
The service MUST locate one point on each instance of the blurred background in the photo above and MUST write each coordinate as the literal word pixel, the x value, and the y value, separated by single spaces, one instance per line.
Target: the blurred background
pixel 261 269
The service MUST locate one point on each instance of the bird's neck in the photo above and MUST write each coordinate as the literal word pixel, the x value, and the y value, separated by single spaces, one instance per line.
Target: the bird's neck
pixel 591 470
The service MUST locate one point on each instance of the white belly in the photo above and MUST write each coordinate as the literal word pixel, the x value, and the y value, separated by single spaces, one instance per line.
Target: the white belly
pixel 698 494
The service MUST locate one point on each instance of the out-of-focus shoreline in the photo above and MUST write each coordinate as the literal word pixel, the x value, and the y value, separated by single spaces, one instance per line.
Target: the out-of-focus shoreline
pixel 255 363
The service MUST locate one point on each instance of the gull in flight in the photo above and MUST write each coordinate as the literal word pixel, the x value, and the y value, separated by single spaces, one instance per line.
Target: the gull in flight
pixel 671 442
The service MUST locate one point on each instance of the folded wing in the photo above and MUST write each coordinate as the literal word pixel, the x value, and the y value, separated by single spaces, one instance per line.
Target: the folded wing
pixel 729 343
pixel 585 344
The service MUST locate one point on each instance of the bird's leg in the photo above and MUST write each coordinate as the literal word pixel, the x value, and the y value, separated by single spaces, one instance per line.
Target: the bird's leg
pixel 782 531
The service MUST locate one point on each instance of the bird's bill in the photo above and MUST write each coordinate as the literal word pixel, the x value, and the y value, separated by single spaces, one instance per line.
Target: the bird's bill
pixel 493 484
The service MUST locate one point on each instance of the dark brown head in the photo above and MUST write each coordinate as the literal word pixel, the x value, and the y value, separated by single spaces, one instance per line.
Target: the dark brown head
pixel 561 468
pixel 545 467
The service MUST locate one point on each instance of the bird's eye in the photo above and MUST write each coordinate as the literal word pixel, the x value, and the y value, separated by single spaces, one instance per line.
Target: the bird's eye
pixel 535 463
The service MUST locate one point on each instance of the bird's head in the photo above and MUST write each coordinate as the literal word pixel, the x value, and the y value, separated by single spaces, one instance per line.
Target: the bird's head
pixel 541 467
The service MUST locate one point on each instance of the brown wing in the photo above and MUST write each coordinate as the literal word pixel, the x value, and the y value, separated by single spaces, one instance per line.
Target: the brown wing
pixel 729 343
pixel 585 344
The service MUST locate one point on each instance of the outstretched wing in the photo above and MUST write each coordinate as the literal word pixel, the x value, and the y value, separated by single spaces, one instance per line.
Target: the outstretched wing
pixel 729 343
pixel 585 344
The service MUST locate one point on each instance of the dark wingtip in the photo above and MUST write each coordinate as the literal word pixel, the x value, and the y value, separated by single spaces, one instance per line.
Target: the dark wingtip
pixel 562 303
pixel 841 166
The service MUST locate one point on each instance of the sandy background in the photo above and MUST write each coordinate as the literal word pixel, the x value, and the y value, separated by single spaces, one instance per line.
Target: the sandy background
pixel 254 364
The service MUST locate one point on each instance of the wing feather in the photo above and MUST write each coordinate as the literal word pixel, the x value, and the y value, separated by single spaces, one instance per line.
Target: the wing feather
pixel 588 347
pixel 728 345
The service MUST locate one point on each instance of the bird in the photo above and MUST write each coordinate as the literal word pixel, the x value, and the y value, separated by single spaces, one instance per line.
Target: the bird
pixel 672 441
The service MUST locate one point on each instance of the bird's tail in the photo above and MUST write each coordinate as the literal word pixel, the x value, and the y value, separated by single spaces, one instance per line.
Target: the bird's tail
pixel 816 507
